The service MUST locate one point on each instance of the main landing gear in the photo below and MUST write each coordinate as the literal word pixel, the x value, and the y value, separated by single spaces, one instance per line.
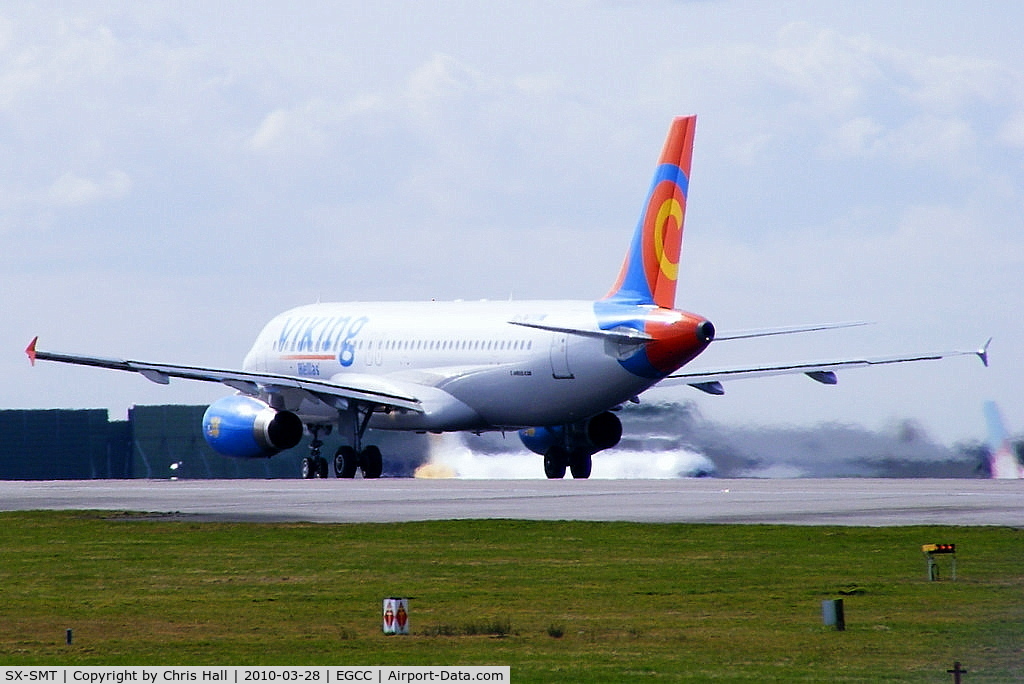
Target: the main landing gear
pixel 347 459
pixel 557 458
pixel 572 445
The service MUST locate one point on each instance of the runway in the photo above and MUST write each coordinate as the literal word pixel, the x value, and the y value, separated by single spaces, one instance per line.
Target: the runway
pixel 795 502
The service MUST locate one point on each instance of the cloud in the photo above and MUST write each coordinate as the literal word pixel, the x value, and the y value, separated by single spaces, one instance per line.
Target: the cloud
pixel 72 190
pixel 860 96
pixel 311 127
pixel 441 77
pixel 1012 131
pixel 832 72
pixel 924 139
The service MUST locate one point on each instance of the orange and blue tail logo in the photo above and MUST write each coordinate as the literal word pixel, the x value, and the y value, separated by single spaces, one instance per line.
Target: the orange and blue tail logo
pixel 651 268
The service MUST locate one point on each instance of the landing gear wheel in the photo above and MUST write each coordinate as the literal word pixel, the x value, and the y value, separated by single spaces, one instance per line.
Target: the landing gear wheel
pixel 581 466
pixel 345 462
pixel 372 462
pixel 555 462
pixel 314 467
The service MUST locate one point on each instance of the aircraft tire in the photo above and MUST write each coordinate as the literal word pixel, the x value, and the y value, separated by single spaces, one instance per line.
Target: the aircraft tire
pixel 345 462
pixel 321 468
pixel 372 462
pixel 308 468
pixel 555 462
pixel 581 466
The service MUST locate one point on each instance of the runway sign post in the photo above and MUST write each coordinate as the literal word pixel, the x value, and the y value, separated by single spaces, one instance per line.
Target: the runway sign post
pixel 832 614
pixel 396 616
pixel 931 551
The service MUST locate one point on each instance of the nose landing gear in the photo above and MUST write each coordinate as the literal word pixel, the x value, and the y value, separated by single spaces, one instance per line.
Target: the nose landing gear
pixel 314 465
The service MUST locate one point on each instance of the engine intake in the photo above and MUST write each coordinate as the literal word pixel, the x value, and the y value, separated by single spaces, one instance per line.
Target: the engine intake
pixel 244 427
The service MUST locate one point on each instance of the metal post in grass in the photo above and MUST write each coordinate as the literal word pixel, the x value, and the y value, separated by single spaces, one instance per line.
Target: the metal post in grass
pixel 832 614
pixel 67 637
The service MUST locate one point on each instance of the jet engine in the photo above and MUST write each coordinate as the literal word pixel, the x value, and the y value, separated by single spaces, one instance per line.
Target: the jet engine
pixel 244 427
pixel 584 438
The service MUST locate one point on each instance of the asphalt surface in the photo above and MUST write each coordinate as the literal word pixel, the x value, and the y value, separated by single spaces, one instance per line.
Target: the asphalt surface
pixel 798 502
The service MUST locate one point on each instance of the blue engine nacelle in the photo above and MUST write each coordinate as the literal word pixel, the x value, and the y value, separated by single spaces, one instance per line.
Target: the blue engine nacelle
pixel 585 438
pixel 244 427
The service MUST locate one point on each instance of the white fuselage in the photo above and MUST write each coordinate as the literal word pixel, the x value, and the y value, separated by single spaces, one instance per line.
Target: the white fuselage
pixel 468 363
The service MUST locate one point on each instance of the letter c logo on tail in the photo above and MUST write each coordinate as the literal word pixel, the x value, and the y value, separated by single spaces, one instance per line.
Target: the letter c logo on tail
pixel 667 226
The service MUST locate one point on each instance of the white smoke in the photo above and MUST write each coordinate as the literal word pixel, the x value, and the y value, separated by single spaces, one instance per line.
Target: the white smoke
pixel 450 457
pixel 666 440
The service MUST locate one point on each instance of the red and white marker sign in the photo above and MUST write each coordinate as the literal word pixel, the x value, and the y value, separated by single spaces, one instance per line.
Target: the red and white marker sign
pixel 396 616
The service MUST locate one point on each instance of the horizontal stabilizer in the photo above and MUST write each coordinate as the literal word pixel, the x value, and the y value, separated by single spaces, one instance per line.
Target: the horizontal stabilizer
pixel 789 330
pixel 622 335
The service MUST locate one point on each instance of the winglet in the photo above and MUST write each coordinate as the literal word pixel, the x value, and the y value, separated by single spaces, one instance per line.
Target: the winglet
pixel 31 350
pixel 983 352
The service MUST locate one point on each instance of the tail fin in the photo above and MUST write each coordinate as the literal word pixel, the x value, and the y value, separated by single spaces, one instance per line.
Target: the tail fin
pixel 649 273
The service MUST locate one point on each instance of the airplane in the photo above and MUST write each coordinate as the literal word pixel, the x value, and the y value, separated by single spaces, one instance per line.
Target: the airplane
pixel 1003 460
pixel 553 371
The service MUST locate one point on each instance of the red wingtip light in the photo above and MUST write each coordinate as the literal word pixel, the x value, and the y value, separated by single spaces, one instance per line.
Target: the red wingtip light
pixel 31 350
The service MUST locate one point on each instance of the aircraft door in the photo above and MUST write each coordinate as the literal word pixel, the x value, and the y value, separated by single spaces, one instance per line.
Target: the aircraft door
pixel 560 357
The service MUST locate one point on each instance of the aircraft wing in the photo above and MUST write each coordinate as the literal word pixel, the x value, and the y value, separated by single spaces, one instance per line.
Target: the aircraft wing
pixel 377 392
pixel 710 381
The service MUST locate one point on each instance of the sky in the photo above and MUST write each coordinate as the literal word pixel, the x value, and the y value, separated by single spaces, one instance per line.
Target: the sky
pixel 173 174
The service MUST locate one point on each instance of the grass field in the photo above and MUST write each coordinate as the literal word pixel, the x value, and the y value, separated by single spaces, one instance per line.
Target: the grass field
pixel 554 600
